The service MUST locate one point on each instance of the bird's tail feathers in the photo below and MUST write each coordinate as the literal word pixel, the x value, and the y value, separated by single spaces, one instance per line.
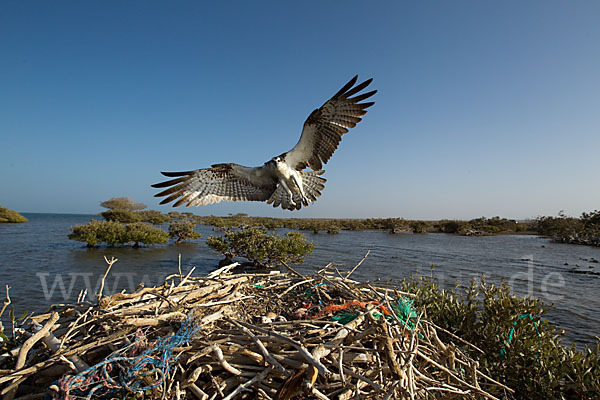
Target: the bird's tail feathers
pixel 312 183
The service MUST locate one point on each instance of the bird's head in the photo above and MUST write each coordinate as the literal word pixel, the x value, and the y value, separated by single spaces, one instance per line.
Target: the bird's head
pixel 276 160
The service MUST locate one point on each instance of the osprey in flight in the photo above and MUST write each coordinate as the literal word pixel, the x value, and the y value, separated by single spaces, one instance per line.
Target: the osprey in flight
pixel 282 180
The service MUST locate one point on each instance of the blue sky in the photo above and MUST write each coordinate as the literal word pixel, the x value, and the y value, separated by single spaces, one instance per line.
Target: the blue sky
pixel 483 109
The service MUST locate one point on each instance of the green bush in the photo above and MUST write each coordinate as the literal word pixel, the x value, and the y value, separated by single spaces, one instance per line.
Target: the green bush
pixel 482 225
pixel 333 229
pixel 122 203
pixel 95 232
pixel 174 214
pixel 496 225
pixel 583 230
pixel 154 217
pixel 260 248
pixel 10 216
pixel 140 232
pixel 535 363
pixel 419 226
pixel 114 233
pixel 454 226
pixel 183 230
pixel 123 216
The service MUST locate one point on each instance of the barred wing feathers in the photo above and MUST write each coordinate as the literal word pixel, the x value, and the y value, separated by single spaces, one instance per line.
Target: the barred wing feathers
pixel 324 128
pixel 231 182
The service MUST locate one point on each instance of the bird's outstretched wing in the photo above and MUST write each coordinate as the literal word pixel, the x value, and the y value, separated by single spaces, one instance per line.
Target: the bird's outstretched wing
pixel 230 182
pixel 324 128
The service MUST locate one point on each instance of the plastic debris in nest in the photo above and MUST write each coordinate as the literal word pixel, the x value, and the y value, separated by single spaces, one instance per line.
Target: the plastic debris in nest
pixel 126 370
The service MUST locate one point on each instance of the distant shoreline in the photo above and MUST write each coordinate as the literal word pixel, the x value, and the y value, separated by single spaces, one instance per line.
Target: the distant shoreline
pixel 561 229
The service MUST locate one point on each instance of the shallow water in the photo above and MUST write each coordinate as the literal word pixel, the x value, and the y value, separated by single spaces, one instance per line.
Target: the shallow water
pixel 42 266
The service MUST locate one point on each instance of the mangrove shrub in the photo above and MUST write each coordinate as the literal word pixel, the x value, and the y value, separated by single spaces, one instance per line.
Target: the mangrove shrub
pixel 154 217
pixel 127 216
pixel 583 230
pixel 518 347
pixel 183 229
pixel 261 248
pixel 10 216
pixel 122 216
pixel 114 233
pixel 123 203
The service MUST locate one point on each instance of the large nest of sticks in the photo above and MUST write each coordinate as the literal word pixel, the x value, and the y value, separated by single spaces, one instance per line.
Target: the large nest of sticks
pixel 277 335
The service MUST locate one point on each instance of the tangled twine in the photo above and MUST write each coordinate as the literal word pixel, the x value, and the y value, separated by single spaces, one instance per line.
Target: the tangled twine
pixel 124 372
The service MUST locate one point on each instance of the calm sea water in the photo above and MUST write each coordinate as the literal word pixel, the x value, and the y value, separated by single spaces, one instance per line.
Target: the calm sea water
pixel 42 266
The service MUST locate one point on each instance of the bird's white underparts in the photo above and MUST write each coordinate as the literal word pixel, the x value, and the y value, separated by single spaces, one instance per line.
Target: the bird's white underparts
pixel 290 180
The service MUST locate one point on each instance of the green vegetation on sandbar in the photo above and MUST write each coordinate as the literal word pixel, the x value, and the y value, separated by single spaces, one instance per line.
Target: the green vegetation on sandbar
pixel 10 216
pixel 474 227
pixel 126 222
pixel 583 230
pixel 123 210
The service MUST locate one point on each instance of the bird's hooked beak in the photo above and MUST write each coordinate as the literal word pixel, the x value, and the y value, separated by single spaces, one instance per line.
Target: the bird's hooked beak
pixel 274 160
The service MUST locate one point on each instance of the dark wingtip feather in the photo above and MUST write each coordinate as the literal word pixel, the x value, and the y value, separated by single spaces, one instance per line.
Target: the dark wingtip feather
pixel 367 105
pixel 358 88
pixel 363 96
pixel 179 202
pixel 169 183
pixel 346 87
pixel 170 190
pixel 177 174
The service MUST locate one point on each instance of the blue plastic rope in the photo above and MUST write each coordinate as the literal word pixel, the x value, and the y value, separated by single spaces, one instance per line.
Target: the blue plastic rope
pixel 512 331
pixel 120 374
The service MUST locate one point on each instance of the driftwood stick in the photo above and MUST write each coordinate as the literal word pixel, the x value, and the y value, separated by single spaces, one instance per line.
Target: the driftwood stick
pixel 9 391
pixel 261 347
pixel 76 363
pixel 318 394
pixel 341 366
pixel 325 268
pixel 199 393
pixel 455 337
pixel 303 351
pixel 361 377
pixel 6 302
pixel 33 340
pixel 495 382
pixel 22 357
pixel 221 271
pixel 110 264
pixel 186 277
pixel 293 286
pixel 72 328
pixel 293 271
pixel 357 265
pixel 447 389
pixel 215 303
pixel 257 378
pixel 451 374
pixel 391 391
pixel 179 268
pixel 228 367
